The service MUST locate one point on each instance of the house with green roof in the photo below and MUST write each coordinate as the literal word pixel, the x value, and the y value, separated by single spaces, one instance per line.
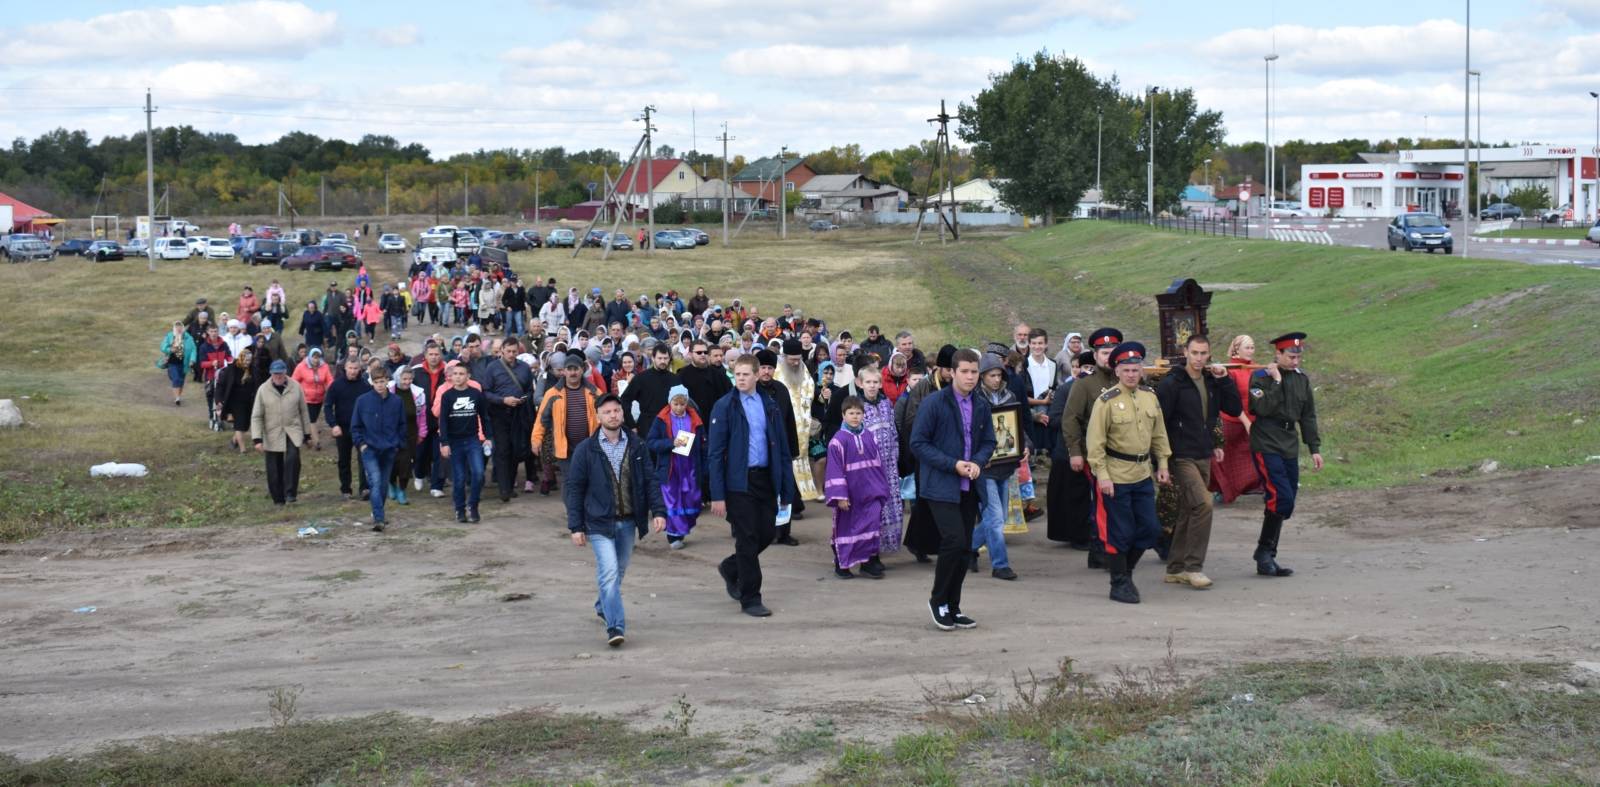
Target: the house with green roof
pixel 760 178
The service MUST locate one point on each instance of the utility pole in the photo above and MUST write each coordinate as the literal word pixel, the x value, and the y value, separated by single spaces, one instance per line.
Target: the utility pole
pixel 1266 214
pixel 783 194
pixel 1150 172
pixel 386 192
pixel 727 190
pixel 466 195
pixel 322 196
pixel 650 178
pixel 436 203
pixel 941 162
pixel 536 177
pixel 149 180
pixel 1099 135
pixel 1466 134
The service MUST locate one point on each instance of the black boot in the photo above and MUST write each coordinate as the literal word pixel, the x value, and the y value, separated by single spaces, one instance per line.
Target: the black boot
pixel 1122 588
pixel 1133 556
pixel 1267 548
pixel 972 561
pixel 1097 556
pixel 784 538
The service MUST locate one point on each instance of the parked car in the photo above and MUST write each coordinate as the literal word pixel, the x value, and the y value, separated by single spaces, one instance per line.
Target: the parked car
pixel 391 242
pixel 237 242
pixel 138 247
pixel 219 249
pixel 509 241
pixel 196 245
pixel 1419 231
pixel 562 237
pixel 467 243
pixel 1285 209
pixel 1554 215
pixel 13 239
pixel 822 225
pixel 304 237
pixel 594 239
pixel 534 239
pixel 1501 210
pixel 263 250
pixel 335 237
pixel 172 248
pixel 103 250
pixel 319 258
pixel 266 231
pixel 74 247
pixel 674 239
pixel 477 232
pixel 620 241
pixel 29 250
pixel 1594 233
pixel 699 235
pixel 347 248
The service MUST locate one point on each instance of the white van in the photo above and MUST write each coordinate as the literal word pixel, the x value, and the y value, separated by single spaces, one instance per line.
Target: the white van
pixel 172 248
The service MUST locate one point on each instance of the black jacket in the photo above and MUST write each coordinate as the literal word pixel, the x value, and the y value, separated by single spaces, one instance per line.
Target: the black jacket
pixel 339 403
pixel 706 386
pixel 1189 430
pixel 779 394
pixel 649 388
pixel 590 495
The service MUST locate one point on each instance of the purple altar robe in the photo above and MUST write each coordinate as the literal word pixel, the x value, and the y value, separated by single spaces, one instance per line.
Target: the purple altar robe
pixel 879 422
pixel 680 491
pixel 855 473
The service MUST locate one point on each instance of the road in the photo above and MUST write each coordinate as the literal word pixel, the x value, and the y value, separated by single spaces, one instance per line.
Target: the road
pixel 1373 235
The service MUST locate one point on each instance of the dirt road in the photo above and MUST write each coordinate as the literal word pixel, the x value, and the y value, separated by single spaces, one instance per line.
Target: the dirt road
pixel 191 629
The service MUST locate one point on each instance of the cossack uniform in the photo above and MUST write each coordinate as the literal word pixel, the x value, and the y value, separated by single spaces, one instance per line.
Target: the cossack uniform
pixel 1125 432
pixel 1279 409
pixel 1078 496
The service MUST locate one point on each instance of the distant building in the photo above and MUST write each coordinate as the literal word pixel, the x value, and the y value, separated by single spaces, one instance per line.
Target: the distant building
pixel 760 178
pixel 25 217
pixel 673 178
pixel 710 194
pixel 830 194
pixel 1381 190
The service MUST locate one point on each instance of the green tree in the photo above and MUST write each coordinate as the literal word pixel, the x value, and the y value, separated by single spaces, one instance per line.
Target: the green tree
pixel 1183 134
pixel 1033 126
pixel 1530 198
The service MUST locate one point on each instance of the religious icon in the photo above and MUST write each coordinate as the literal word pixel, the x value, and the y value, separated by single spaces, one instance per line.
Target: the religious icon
pixel 1007 435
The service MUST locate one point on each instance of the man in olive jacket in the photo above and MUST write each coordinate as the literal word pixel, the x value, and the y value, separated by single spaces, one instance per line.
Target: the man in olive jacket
pixel 280 423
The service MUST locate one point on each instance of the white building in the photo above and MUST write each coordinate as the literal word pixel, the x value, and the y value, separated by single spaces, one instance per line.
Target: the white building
pixel 1381 190
pixel 1569 173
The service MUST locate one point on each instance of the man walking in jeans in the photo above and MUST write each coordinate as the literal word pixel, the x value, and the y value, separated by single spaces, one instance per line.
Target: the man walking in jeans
pixel 610 496
pixel 377 426
pixel 747 457
pixel 953 438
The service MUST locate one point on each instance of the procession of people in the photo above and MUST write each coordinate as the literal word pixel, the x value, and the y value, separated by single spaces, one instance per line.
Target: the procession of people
pixel 649 414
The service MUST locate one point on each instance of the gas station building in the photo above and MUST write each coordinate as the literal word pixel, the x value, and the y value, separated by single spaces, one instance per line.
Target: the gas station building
pixel 1386 185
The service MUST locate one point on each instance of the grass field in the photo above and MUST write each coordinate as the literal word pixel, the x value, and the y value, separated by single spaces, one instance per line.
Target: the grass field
pixel 1424 366
pixel 1343 721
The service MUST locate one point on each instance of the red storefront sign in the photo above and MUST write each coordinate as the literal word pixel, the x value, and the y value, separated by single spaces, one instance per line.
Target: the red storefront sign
pixel 1430 176
pixel 1318 197
pixel 1336 197
pixel 1324 176
pixel 1405 176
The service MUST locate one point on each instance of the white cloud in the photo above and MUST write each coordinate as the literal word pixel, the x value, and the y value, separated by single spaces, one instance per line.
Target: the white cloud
pixel 578 64
pixel 398 36
pixel 263 28
pixel 1434 45
pixel 1586 12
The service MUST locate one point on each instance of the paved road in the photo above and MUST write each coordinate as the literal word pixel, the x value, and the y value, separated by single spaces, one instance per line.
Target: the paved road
pixel 1373 235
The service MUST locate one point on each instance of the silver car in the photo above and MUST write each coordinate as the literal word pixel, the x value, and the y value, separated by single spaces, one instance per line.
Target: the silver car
pixel 1594 233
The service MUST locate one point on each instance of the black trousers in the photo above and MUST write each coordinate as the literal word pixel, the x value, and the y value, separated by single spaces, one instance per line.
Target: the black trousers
pixel 955 522
pixel 502 420
pixel 1070 504
pixel 753 515
pixel 283 472
pixel 922 536
pixel 347 446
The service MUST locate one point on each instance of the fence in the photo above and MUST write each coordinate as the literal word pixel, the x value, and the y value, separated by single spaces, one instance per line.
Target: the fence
pixel 1188 225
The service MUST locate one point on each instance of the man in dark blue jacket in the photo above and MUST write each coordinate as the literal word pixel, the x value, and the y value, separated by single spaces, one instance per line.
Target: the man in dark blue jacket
pixel 747 457
pixel 337 406
pixel 377 427
pixel 953 438
pixel 611 494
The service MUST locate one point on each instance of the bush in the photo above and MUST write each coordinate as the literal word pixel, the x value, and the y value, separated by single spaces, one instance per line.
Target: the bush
pixel 669 213
pixel 706 216
pixel 1530 198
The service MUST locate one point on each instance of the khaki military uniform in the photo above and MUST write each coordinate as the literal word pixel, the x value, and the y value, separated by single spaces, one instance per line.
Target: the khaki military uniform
pixel 1125 433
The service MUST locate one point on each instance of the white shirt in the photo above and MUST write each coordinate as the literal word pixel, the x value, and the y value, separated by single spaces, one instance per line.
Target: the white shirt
pixel 1043 374
pixel 237 342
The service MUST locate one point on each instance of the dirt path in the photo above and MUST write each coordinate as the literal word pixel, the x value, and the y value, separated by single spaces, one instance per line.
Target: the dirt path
pixel 193 628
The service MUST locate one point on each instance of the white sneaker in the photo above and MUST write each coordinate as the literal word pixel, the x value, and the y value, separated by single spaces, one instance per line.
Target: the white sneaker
pixel 435 493
pixel 416 484
pixel 677 544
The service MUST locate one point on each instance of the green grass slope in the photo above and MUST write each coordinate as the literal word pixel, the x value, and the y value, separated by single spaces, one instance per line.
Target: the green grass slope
pixel 1424 364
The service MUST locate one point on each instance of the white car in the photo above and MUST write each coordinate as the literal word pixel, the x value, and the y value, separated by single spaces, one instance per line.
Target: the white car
pixel 172 248
pixel 1288 210
pixel 219 249
pixel 390 242
pixel 197 245
pixel 467 243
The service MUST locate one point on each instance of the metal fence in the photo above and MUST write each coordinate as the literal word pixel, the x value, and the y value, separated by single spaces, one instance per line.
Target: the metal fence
pixel 1188 225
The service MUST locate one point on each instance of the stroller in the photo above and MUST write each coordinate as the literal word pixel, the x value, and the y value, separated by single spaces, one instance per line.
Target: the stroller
pixel 211 405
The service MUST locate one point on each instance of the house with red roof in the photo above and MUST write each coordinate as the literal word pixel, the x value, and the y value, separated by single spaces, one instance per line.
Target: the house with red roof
pixel 673 178
pixel 25 217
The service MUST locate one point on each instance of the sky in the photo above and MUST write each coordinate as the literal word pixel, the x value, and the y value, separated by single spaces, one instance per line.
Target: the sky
pixel 495 74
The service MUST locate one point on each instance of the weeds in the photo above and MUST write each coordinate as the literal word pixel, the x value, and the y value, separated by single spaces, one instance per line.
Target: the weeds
pixel 680 715
pixel 283 704
pixel 805 740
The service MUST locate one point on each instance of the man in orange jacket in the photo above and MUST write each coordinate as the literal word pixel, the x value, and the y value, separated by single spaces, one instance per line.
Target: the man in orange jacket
pixel 566 418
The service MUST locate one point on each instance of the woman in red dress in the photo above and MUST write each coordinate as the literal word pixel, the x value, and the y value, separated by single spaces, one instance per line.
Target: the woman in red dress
pixel 1236 474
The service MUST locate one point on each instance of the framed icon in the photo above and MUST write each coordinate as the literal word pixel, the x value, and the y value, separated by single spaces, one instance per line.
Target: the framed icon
pixel 1008 426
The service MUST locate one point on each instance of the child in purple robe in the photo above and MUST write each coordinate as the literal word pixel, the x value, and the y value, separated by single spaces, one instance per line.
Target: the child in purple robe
pixel 678 474
pixel 856 488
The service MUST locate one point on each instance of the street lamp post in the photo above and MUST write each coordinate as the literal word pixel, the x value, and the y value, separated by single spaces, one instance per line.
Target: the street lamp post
pixel 1150 170
pixel 1594 199
pixel 1208 174
pixel 1477 146
pixel 1466 135
pixel 1099 133
pixel 1266 214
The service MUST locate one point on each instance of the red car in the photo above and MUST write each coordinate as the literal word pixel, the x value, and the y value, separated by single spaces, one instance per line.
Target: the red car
pixel 319 258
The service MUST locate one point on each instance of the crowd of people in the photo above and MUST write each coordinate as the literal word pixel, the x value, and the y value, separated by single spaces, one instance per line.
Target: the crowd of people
pixel 646 413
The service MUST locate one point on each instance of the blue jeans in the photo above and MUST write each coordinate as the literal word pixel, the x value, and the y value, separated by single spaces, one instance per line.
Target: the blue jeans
pixel 611 556
pixel 515 319
pixel 378 464
pixel 466 473
pixel 992 500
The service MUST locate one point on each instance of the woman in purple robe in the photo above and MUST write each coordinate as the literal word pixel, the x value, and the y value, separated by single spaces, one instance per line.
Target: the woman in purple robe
pixel 856 488
pixel 879 422
pixel 678 468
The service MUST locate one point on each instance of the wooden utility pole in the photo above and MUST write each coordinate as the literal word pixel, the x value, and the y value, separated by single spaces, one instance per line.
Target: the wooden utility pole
pixel 536 174
pixel 783 194
pixel 611 192
pixel 149 180
pixel 466 196
pixel 322 196
pixel 727 188
pixel 386 192
pixel 941 163
pixel 650 178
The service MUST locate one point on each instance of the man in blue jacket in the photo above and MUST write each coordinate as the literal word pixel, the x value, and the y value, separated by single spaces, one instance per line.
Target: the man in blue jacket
pixel 747 458
pixel 611 494
pixel 377 427
pixel 953 438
